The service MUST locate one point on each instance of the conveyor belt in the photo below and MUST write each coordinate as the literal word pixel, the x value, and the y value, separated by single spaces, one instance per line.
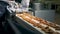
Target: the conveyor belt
pixel 26 24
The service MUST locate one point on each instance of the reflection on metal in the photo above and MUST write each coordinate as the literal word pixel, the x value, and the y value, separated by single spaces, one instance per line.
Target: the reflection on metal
pixel 13 27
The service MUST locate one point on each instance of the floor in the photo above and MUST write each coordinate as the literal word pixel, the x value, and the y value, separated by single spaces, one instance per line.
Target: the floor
pixel 57 18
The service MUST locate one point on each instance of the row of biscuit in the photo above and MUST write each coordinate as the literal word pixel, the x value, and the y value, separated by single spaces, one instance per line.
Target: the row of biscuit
pixel 43 21
pixel 37 22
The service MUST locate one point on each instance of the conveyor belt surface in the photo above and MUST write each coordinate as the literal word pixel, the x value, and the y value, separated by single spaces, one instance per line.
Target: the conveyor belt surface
pixel 30 23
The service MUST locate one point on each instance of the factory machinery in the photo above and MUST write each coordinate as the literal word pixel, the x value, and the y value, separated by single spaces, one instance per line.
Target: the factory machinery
pixel 25 23
pixel 38 24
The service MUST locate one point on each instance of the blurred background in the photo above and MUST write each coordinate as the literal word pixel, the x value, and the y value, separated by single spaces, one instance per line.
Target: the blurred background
pixel 48 10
